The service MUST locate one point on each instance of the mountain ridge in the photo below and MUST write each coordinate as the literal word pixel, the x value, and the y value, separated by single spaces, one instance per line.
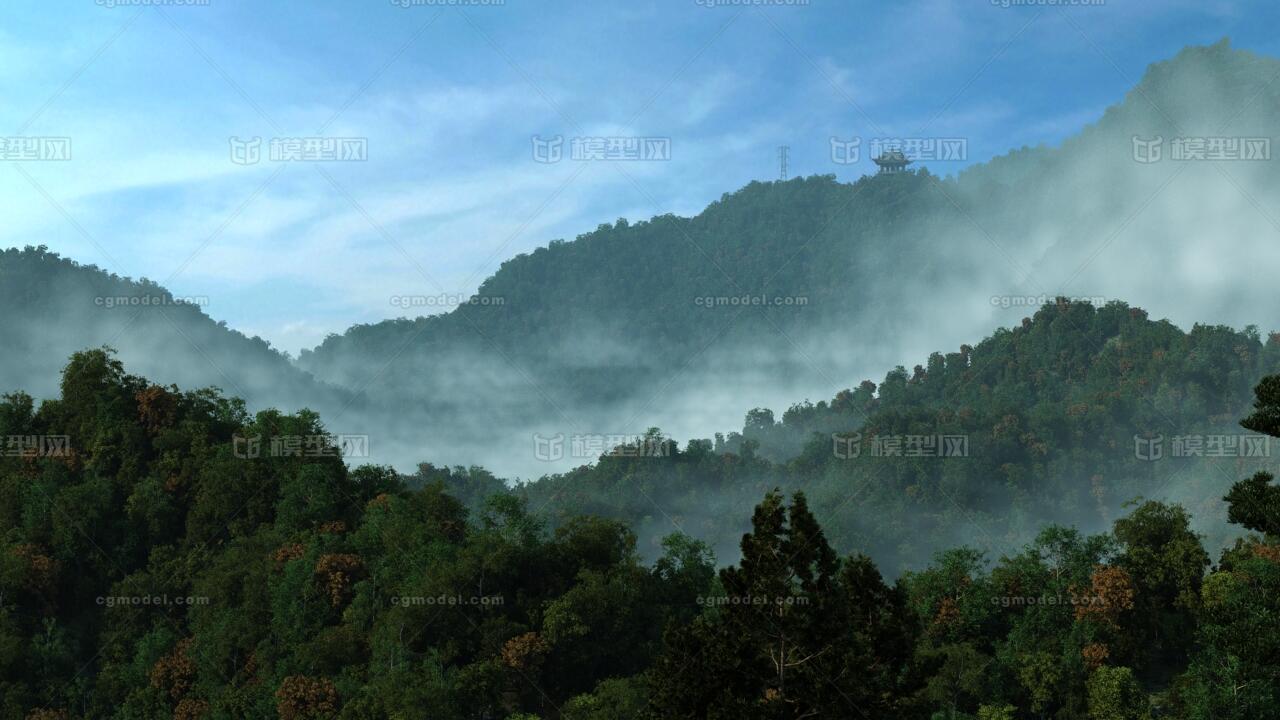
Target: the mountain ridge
pixel 615 329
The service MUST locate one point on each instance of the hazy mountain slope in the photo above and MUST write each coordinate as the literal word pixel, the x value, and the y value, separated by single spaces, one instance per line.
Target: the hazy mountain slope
pixel 1064 418
pixel 593 304
pixel 55 306
pixel 636 323
pixel 640 324
pixel 1102 216
pixel 609 333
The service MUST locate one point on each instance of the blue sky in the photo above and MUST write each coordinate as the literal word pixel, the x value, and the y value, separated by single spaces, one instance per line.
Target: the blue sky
pixel 447 100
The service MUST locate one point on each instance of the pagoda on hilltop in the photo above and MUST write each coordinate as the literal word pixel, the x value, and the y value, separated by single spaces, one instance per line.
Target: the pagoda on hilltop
pixel 892 160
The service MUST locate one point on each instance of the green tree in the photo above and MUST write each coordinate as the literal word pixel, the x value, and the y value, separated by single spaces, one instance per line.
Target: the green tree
pixel 767 650
pixel 1114 694
pixel 1166 562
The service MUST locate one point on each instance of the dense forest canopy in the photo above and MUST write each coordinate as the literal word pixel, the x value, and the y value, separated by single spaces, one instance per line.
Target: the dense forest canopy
pixel 151 568
pixel 1056 420
pixel 1053 516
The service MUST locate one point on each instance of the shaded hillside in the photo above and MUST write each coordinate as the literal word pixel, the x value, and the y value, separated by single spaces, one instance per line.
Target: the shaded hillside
pixel 1045 422
pixel 644 323
pixel 647 282
pixel 55 306
pixel 149 568
pixel 611 332
pixel 588 332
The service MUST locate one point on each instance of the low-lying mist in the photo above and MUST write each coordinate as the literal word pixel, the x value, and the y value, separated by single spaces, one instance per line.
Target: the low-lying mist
pixel 1166 203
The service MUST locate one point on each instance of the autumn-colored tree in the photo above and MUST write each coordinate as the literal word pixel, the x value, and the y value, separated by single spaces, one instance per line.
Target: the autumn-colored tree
pixel 157 407
pixel 1110 593
pixel 286 553
pixel 338 571
pixel 523 651
pixel 175 673
pixel 1095 654
pixel 306 698
pixel 191 709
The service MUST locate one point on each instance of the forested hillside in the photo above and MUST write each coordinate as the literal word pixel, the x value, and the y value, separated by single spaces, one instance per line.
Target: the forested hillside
pixel 776 291
pixel 646 319
pixel 1050 415
pixel 1056 420
pixel 154 564
pixel 641 283
pixel 923 362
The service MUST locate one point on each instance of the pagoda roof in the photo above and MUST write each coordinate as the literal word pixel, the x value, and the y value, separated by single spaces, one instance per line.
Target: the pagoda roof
pixel 891 157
